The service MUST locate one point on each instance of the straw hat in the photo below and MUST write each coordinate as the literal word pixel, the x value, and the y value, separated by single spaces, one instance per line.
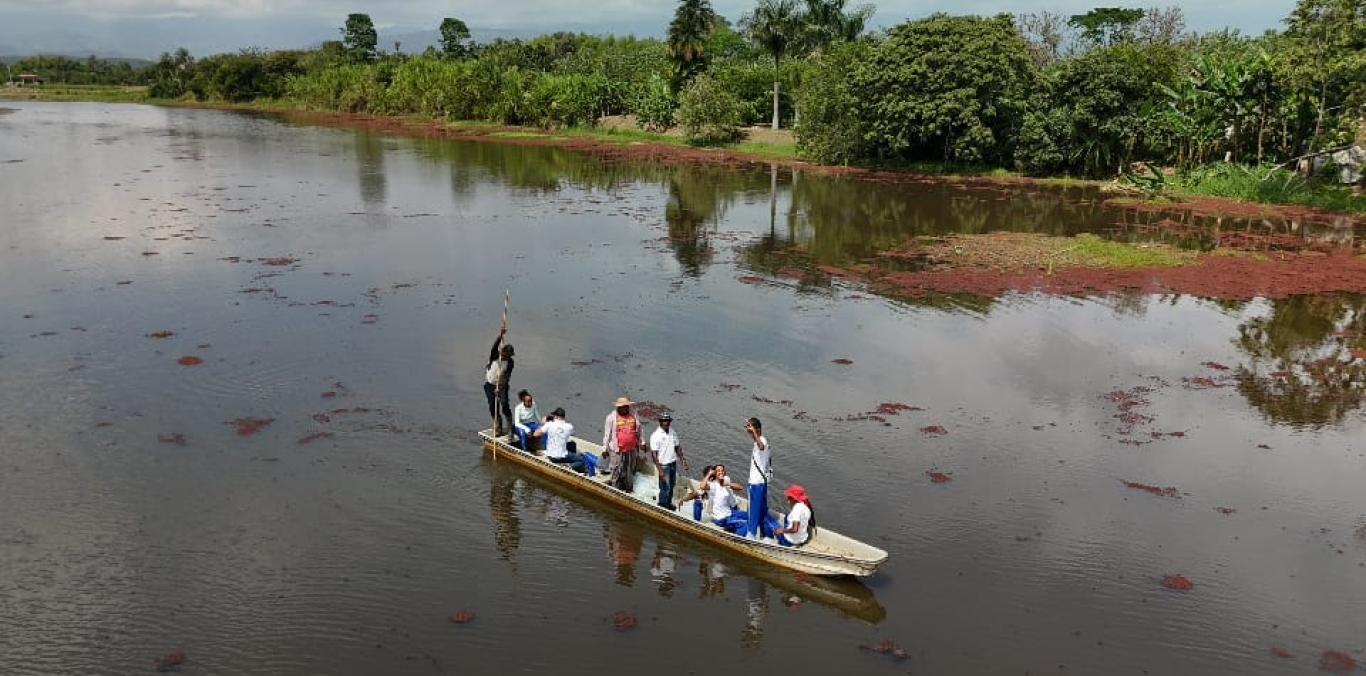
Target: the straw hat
pixel 622 401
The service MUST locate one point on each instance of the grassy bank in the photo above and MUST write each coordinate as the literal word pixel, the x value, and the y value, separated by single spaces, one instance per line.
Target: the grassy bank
pixel 60 92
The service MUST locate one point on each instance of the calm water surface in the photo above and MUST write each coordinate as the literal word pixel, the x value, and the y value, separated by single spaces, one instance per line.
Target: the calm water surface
pixel 121 542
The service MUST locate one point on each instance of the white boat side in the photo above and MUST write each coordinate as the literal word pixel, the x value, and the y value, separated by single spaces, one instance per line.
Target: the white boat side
pixel 828 552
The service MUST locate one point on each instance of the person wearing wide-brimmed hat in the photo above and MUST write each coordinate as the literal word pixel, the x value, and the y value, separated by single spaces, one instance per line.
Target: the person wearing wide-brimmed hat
pixel 621 441
pixel 800 523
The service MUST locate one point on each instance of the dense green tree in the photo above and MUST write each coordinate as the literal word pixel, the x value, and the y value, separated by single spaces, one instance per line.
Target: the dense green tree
pixel 830 129
pixel 950 88
pixel 359 37
pixel 1107 25
pixel 777 27
pixel 455 37
pixel 689 31
pixel 1324 58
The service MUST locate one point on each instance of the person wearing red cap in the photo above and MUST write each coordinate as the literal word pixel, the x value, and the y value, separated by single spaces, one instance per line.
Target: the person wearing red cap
pixel 800 522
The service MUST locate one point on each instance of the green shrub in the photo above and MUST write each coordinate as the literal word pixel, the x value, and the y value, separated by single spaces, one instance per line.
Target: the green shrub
pixel 567 100
pixel 653 104
pixel 709 113
pixel 829 129
pixel 350 89
pixel 1039 149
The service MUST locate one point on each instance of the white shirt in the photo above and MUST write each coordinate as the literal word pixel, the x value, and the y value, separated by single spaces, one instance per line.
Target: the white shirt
pixel 722 500
pixel 665 445
pixel 761 462
pixel 800 516
pixel 522 416
pixel 494 371
pixel 557 433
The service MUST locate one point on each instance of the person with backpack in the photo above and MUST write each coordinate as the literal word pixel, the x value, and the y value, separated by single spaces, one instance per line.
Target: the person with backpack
pixel 800 524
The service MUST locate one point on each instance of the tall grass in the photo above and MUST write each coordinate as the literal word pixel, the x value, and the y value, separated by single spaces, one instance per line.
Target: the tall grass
pixel 1269 184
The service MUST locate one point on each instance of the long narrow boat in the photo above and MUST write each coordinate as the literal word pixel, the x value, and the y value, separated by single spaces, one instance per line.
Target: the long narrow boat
pixel 828 552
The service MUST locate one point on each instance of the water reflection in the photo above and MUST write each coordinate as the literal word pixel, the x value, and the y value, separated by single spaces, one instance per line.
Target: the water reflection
pixel 1307 359
pixel 624 543
pixel 662 569
pixel 370 153
pixel 507 525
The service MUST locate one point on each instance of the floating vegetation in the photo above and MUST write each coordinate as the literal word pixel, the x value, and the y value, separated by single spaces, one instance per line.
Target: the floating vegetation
pixel 462 617
pixel 1168 492
pixel 249 426
pixel 171 662
pixel 938 477
pixel 1178 583
pixel 886 647
pixel 189 361
pixel 933 430
pixel 624 621
pixel 173 438
pixel 161 334
pixel 312 438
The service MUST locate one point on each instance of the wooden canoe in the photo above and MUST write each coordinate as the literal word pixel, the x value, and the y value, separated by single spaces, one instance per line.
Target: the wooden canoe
pixel 828 553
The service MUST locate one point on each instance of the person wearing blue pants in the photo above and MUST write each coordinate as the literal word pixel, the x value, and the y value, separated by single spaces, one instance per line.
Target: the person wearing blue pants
pixel 760 473
pixel 526 419
pixel 666 453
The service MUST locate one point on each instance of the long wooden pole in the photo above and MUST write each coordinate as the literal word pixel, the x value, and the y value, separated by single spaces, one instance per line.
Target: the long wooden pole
pixel 498 384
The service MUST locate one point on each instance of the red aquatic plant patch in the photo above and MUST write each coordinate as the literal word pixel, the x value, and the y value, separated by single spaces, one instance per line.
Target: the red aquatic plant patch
pixel 1203 383
pixel 330 394
pixel 172 438
pixel 895 408
pixel 278 261
pixel 161 334
pixel 1178 583
pixel 170 662
pixel 885 647
pixel 934 430
pixel 1214 365
pixel 322 417
pixel 751 280
pixel 938 477
pixel 312 438
pixel 1281 652
pixel 1168 492
pixel 189 361
pixel 462 617
pixel 1336 662
pixel 249 426
pixel 650 410
pixel 842 361
pixel 624 621
pixel 369 319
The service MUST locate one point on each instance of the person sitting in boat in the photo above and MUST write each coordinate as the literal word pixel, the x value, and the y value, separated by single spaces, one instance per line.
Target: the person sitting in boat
pixel 719 490
pixel 557 432
pixel 497 375
pixel 621 440
pixel 526 418
pixel 800 522
pixel 666 453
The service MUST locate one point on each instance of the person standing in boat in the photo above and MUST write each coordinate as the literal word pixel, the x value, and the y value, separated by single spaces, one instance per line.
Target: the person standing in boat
pixel 497 375
pixel 621 440
pixel 797 527
pixel 557 432
pixel 526 419
pixel 760 473
pixel 666 452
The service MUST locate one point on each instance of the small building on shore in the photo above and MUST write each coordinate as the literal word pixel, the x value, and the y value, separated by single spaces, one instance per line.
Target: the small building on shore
pixel 29 79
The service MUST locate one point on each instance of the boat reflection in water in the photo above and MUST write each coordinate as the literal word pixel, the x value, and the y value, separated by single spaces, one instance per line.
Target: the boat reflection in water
pixel 625 540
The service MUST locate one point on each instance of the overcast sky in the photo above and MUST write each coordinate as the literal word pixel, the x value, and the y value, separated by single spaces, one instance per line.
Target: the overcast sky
pixel 147 27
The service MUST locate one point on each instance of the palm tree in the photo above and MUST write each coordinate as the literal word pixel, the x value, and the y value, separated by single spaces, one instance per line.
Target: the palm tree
pixel 827 22
pixel 776 26
pixel 688 33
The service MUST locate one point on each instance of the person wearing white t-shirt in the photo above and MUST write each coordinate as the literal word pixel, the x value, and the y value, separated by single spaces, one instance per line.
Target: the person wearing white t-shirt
pixel 557 432
pixel 796 530
pixel 718 490
pixel 760 473
pixel 666 452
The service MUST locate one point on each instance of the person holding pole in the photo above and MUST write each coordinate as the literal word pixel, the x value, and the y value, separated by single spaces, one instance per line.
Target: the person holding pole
pixel 497 374
pixel 760 473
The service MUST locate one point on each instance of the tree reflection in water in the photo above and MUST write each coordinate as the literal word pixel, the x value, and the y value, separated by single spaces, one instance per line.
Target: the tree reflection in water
pixel 507 526
pixel 1308 359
